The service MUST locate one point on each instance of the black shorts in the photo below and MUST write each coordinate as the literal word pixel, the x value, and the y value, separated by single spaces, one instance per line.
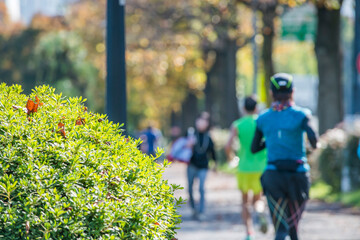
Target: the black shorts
pixel 286 185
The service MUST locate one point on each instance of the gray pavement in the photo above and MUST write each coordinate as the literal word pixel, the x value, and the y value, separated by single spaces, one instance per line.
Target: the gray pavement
pixel 222 219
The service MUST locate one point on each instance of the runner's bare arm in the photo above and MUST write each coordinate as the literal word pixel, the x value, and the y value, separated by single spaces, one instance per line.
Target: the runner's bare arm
pixel 233 133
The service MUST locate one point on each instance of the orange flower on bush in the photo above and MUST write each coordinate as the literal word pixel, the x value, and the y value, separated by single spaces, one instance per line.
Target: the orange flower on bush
pixel 32 106
pixel 61 130
pixel 80 121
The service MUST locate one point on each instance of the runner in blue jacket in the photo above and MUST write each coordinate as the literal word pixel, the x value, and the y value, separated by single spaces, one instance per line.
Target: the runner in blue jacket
pixel 286 178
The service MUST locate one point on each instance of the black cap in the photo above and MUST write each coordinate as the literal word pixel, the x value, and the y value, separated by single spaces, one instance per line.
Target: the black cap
pixel 282 82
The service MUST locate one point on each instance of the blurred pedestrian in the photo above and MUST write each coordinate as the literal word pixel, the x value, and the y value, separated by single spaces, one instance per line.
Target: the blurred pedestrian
pixel 180 150
pixel 202 148
pixel 286 178
pixel 250 168
pixel 149 139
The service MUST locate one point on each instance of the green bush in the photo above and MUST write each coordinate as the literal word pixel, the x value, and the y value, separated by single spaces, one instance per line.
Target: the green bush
pixel 66 173
pixel 338 150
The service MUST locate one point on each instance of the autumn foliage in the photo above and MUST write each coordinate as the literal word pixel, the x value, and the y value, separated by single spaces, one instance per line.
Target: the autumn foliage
pixel 67 173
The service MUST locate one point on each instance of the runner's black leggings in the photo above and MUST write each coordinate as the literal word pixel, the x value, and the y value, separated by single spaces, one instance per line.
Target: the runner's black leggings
pixel 286 193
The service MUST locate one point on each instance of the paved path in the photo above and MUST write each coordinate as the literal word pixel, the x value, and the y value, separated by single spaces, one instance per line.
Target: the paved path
pixel 320 222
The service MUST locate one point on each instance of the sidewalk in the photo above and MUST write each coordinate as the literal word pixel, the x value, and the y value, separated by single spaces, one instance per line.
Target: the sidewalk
pixel 320 222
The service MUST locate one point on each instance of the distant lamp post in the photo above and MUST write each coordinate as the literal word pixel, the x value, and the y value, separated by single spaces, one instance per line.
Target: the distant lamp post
pixel 115 59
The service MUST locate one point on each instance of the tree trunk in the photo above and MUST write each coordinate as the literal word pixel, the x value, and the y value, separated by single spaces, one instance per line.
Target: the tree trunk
pixel 268 34
pixel 189 111
pixel 328 53
pixel 220 91
pixel 175 119
pixel 230 108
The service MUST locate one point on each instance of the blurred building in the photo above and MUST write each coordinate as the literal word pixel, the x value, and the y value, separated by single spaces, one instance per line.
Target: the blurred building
pixel 306 91
pixel 24 10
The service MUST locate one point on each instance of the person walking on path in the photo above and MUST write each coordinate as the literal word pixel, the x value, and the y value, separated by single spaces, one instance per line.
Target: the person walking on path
pixel 250 168
pixel 286 178
pixel 202 146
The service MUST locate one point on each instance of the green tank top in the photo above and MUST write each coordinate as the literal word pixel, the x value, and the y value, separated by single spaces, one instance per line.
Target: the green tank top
pixel 249 162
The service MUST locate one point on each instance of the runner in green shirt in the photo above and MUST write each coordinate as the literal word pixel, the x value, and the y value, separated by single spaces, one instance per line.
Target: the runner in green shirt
pixel 250 167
